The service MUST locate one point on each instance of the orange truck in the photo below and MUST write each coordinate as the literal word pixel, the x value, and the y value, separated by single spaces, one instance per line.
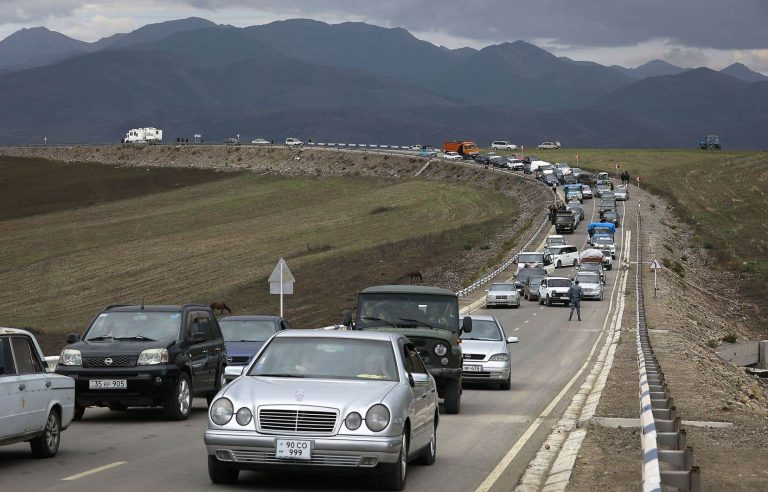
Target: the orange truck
pixel 466 148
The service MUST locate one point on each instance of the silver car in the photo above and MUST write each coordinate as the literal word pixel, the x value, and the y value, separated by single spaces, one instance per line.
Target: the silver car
pixel 486 355
pixel 621 193
pixel 591 285
pixel 502 294
pixel 326 399
pixel 35 404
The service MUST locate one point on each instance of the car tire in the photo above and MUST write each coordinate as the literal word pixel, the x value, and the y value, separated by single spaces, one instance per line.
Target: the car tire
pixel 559 264
pixel 46 445
pixel 430 452
pixel 541 301
pixel 393 474
pixel 79 412
pixel 220 383
pixel 179 405
pixel 453 396
pixel 549 302
pixel 575 263
pixel 220 472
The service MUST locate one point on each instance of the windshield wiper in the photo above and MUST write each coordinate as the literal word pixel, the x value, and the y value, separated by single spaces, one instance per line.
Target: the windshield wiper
pixel 369 318
pixel 137 337
pixel 279 375
pixel 102 337
pixel 482 339
pixel 418 322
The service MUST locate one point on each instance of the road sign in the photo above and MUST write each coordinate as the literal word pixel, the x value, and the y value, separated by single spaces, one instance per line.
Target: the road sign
pixel 638 179
pixel 618 166
pixel 281 281
pixel 655 265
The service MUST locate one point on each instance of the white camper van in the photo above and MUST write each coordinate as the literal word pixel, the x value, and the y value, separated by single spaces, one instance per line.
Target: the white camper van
pixel 144 135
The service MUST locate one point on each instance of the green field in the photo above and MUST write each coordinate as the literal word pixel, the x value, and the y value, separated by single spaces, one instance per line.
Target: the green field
pixel 217 237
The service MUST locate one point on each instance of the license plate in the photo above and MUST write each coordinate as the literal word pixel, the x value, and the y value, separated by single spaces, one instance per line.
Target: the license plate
pixel 501 298
pixel 293 449
pixel 473 368
pixel 110 384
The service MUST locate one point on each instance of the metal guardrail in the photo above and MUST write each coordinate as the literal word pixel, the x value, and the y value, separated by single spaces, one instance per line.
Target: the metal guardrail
pixel 658 415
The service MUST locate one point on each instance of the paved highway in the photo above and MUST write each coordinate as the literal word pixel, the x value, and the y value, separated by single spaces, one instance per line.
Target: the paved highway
pixel 138 450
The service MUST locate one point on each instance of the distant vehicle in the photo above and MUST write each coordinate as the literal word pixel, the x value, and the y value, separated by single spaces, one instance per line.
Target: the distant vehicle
pixel 415 148
pixel 515 164
pixel 587 178
pixel 612 216
pixel 496 160
pixel 601 228
pixel 481 159
pixel 550 180
pixel 564 167
pixel 524 274
pixel 603 178
pixel 529 259
pixel 575 207
pixel 244 336
pixel 604 241
pixel 232 141
pixel 260 141
pixel 573 192
pixel 593 267
pixel 503 145
pixel 576 171
pixel 565 222
pixel 452 156
pixel 144 135
pixel 531 286
pixel 466 148
pixel 295 142
pixel 554 240
pixel 569 179
pixel 561 256
pixel 502 294
pixel 603 188
pixel 486 355
pixel 621 193
pixel 427 153
pixel 548 145
pixel 35 405
pixel 586 191
pixel 591 285
pixel 711 142
pixel 554 290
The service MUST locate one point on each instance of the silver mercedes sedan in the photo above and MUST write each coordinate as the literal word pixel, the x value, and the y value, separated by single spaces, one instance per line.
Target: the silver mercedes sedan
pixel 486 355
pixel 326 399
pixel 502 294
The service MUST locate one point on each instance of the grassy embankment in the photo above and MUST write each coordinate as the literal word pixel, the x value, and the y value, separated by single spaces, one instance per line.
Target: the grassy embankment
pixel 78 237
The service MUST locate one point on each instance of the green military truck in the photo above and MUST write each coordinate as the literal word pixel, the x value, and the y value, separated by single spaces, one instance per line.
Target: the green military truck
pixel 429 317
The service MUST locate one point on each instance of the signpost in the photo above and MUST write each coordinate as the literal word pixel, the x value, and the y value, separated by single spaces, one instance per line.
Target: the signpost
pixel 281 281
pixel 655 266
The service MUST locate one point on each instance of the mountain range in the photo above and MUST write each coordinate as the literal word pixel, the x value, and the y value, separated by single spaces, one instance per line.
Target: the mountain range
pixel 357 82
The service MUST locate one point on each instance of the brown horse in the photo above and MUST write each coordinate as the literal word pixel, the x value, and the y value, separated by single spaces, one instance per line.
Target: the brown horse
pixel 221 307
pixel 415 277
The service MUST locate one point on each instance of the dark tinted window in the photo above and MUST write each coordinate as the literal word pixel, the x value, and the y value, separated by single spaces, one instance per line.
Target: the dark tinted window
pixel 27 361
pixel 7 367
pixel 413 362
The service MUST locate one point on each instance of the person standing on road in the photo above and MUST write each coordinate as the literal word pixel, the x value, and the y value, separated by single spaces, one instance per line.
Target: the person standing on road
pixel 575 293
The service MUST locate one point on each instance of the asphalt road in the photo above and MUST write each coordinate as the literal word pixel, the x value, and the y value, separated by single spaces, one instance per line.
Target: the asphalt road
pixel 138 450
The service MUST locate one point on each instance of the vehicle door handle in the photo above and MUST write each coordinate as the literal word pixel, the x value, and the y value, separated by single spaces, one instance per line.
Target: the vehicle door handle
pixel 22 387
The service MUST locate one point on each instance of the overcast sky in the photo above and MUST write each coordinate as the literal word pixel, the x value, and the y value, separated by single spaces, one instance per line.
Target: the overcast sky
pixel 688 33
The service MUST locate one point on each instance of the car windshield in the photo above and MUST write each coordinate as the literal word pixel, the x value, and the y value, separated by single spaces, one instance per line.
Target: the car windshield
pixel 327 358
pixel 502 287
pixel 483 329
pixel 555 282
pixel 247 330
pixel 408 311
pixel 139 325
pixel 530 258
pixel 586 278
pixel 604 240
pixel 530 272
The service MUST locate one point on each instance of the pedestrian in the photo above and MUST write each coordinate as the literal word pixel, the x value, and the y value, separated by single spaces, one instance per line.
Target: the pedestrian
pixel 628 178
pixel 575 293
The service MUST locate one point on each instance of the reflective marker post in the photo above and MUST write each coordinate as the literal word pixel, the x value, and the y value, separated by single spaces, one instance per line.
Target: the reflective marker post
pixel 281 281
pixel 655 265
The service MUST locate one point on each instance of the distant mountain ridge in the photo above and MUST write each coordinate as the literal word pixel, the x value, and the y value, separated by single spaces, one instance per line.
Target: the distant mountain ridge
pixel 355 81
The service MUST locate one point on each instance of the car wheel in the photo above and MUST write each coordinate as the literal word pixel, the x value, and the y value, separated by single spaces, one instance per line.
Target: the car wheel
pixel 549 301
pixel 46 445
pixel 430 453
pixel 541 301
pixel 179 405
pixel 220 383
pixel 575 262
pixel 79 412
pixel 559 264
pixel 393 476
pixel 220 472
pixel 453 396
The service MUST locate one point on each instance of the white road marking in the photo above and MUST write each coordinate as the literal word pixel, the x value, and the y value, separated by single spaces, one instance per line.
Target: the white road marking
pixel 526 321
pixel 492 477
pixel 517 328
pixel 95 470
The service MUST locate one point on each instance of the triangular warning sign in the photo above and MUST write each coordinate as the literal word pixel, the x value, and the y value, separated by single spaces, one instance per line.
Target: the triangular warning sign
pixel 655 265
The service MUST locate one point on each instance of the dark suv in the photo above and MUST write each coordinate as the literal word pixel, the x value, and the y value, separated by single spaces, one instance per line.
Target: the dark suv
pixel 146 356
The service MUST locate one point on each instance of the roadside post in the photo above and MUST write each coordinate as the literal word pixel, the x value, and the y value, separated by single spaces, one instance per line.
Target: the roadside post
pixel 655 266
pixel 281 281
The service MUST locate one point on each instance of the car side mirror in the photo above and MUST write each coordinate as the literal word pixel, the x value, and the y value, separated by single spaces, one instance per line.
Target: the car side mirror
pixel 73 338
pixel 466 324
pixel 197 337
pixel 418 378
pixel 232 372
pixel 346 318
pixel 512 340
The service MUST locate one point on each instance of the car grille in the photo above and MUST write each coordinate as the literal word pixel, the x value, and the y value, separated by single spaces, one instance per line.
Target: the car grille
pixel 501 298
pixel 474 356
pixel 297 421
pixel 116 361
pixel 481 375
pixel 266 457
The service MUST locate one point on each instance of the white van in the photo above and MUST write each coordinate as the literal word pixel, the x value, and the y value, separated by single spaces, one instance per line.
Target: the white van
pixel 293 142
pixel 565 255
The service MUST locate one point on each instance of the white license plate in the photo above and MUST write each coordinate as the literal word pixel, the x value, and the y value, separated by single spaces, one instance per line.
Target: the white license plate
pixel 111 384
pixel 293 449
pixel 473 368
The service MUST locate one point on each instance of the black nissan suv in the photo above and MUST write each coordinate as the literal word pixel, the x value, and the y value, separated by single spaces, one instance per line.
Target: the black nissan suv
pixel 146 356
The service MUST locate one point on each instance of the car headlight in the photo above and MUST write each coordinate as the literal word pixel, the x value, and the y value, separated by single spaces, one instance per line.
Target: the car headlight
pixel 70 357
pixel 499 358
pixel 353 421
pixel 377 418
pixel 440 350
pixel 243 416
pixel 152 356
pixel 222 411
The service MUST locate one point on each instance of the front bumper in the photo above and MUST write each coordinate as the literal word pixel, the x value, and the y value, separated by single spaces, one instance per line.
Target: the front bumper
pixel 145 385
pixel 591 295
pixel 491 371
pixel 559 299
pixel 251 450
pixel 512 300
